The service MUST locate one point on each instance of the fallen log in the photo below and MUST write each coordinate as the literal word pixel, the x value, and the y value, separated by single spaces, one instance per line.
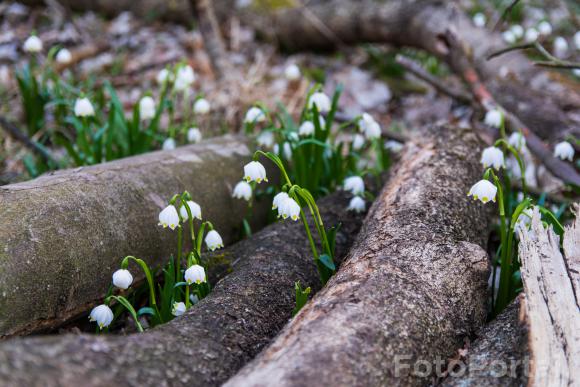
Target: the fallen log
pixel 63 234
pixel 497 357
pixel 413 286
pixel 211 341
pixel 551 285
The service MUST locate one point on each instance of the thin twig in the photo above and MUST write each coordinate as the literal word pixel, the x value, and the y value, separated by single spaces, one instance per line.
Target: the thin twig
pixel 17 134
pixel 416 69
pixel 551 61
pixel 505 13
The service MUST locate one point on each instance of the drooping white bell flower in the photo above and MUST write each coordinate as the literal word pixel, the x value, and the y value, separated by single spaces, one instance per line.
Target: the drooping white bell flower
pixel 195 274
pixel 193 298
pixel 169 144
pixel 564 150
pixel 193 207
pixel 266 139
pixel 84 108
pixel 122 279
pixel 201 106
pixel 184 78
pixel 373 131
pixel 102 315
pixel 532 35
pixel 577 40
pixel 518 31
pixel 365 120
pixel 255 171
pixel 517 140
pixel 178 309
pixel 479 20
pixel 63 56
pixel 493 157
pixel 509 37
pixel 321 100
pixel 354 184
pixel 288 208
pixel 484 191
pixel 286 150
pixel 545 28
pixel 146 108
pixel 168 217
pixel 194 135
pixel 560 47
pixel 357 204
pixel 393 146
pixel 163 76
pixel 33 44
pixel 279 198
pixel 213 240
pixel 493 118
pixel 358 141
pixel 254 115
pixel 292 72
pixel 306 128
pixel 576 72
pixel 242 190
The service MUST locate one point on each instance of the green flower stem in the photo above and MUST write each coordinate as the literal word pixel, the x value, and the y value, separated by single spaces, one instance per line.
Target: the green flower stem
pixel 148 276
pixel 187 302
pixel 179 247
pixel 505 275
pixel 123 301
pixel 521 164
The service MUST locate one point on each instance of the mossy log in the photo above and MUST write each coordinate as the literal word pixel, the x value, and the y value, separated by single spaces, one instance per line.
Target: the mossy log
pixel 411 289
pixel 63 234
pixel 211 341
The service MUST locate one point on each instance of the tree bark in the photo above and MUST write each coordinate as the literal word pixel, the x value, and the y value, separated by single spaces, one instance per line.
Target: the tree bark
pixel 552 310
pixel 413 286
pixel 211 341
pixel 63 234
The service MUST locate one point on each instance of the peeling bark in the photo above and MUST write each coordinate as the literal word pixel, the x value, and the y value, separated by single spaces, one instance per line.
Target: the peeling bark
pixel 63 234
pixel 413 286
pixel 552 309
pixel 209 343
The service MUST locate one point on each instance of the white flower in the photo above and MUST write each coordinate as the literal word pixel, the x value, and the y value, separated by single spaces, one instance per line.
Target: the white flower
pixel 265 139
pixel 242 190
pixel 373 131
pixel 286 149
pixel 576 72
pixel 213 240
pixel 531 35
pixel 193 298
pixel 517 140
pixel 195 274
pixel 508 37
pixel 393 146
pixel 146 108
pixel 357 204
pixel 483 190
pixel 201 106
pixel 254 114
pixel 84 108
pixel 354 184
pixel 163 76
pixel 255 171
pixel 545 28
pixel 365 120
pixel 321 101
pixel 194 135
pixel 102 315
pixel 492 157
pixel 193 207
pixel 178 309
pixel 169 144
pixel 518 31
pixel 184 78
pixel 306 129
pixel 358 141
pixel 564 150
pixel 33 44
pixel 288 208
pixel 63 56
pixel 493 118
pixel 169 217
pixel 292 72
pixel 560 47
pixel 577 40
pixel 479 20
pixel 122 278
pixel 279 198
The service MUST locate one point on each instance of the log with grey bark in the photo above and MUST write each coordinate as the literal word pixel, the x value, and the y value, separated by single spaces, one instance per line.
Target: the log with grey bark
pixel 413 286
pixel 62 235
pixel 211 341
pixel 497 357
pixel 552 310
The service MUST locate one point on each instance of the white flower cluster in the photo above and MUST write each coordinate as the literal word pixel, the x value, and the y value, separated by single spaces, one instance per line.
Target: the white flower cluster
pixel 356 186
pixel 370 127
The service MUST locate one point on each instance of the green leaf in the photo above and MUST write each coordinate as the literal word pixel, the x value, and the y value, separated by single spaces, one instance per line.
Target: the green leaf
pixel 327 261
pixel 331 234
pixel 146 310
pixel 301 297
